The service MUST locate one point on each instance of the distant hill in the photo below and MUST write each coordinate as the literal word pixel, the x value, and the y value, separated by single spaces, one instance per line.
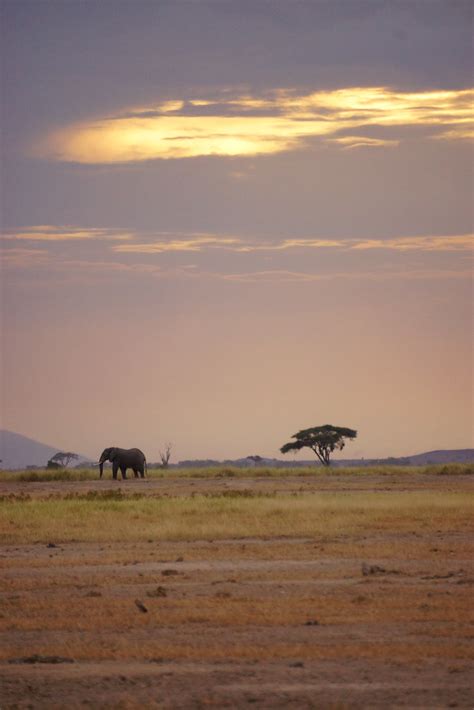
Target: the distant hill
pixel 18 451
pixel 429 457
pixel 443 456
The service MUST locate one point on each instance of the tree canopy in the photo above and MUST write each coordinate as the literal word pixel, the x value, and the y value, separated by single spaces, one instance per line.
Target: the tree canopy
pixel 62 458
pixel 323 440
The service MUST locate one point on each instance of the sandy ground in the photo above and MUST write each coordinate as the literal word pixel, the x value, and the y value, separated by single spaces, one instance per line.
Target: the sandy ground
pixel 381 620
pixel 331 483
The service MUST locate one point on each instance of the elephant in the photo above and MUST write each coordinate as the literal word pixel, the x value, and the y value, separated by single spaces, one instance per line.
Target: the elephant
pixel 123 459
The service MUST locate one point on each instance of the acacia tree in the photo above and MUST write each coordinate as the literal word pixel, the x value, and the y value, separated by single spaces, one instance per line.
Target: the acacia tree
pixel 62 458
pixel 323 440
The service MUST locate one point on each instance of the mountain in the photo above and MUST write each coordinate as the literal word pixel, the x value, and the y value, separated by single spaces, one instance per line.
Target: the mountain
pixel 18 451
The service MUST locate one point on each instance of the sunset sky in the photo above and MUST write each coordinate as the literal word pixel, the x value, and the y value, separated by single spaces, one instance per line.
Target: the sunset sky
pixel 225 221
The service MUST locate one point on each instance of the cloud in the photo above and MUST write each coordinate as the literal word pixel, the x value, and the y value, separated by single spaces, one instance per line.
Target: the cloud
pixel 40 260
pixel 163 242
pixel 203 242
pixel 461 134
pixel 50 233
pixel 351 142
pixel 20 258
pixel 118 259
pixel 107 266
pixel 193 243
pixel 246 125
pixel 464 242
pixel 290 244
pixel 376 275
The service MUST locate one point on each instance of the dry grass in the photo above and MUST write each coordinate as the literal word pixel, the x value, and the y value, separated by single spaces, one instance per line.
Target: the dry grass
pixel 230 472
pixel 96 518
pixel 115 647
pixel 230 578
pixel 237 608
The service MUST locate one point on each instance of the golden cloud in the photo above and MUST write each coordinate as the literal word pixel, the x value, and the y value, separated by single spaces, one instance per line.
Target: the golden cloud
pixel 198 242
pixel 351 142
pixel 50 233
pixel 463 242
pixel 162 242
pixel 193 243
pixel 248 125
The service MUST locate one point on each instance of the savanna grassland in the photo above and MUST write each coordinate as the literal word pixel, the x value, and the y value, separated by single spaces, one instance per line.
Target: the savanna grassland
pixel 226 587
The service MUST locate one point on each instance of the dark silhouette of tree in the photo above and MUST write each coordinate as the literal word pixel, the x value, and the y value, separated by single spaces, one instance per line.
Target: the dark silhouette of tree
pixel 256 459
pixel 62 458
pixel 166 455
pixel 52 464
pixel 323 440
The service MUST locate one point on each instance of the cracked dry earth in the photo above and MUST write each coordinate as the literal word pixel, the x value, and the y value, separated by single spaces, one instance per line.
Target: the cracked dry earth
pixel 375 620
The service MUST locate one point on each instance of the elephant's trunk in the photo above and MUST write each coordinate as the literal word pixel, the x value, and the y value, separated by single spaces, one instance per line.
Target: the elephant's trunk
pixel 101 468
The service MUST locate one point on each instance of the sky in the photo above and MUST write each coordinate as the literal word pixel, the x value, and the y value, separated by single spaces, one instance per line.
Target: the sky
pixel 225 221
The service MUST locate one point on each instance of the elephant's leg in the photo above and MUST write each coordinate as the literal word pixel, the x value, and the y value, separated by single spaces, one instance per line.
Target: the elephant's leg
pixel 114 470
pixel 135 471
pixel 124 472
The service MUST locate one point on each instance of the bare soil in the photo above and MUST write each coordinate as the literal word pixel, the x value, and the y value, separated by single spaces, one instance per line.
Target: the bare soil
pixel 381 620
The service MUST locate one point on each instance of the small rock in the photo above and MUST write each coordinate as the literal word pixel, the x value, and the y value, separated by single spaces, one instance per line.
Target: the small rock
pixel 311 622
pixel 169 572
pixel 371 569
pixel 51 544
pixel 93 593
pixel 158 592
pixel 179 559
pixel 297 664
pixel 141 606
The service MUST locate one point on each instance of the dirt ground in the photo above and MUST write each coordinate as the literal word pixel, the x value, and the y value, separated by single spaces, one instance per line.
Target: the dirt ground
pixel 375 620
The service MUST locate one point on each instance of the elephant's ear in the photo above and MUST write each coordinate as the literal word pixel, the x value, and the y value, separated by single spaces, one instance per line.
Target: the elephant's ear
pixel 113 453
